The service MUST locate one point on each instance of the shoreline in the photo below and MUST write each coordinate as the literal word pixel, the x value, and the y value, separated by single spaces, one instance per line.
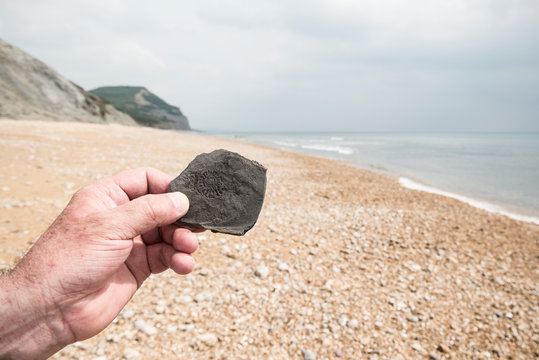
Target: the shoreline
pixel 477 203
pixel 502 208
pixel 341 261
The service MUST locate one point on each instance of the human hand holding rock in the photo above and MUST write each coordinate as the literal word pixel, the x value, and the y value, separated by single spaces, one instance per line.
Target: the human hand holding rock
pixel 84 269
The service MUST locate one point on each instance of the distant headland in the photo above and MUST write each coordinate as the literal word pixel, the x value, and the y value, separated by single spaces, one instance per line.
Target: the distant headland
pixel 145 107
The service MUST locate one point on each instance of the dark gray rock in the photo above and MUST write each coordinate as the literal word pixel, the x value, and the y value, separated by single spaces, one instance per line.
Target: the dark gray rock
pixel 225 192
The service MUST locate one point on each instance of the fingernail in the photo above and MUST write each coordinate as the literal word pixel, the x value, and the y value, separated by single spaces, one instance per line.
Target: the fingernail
pixel 181 202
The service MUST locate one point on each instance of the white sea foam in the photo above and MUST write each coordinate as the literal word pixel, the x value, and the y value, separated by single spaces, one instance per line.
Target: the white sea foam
pixel 331 148
pixel 410 184
pixel 337 138
pixel 286 143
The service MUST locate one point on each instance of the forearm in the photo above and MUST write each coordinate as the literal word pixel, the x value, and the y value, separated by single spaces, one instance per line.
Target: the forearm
pixel 29 328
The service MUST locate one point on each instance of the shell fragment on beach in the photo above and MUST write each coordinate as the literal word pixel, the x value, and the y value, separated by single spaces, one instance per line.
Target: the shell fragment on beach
pixel 225 192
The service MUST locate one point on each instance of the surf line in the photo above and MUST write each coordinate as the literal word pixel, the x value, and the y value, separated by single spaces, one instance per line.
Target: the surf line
pixel 410 184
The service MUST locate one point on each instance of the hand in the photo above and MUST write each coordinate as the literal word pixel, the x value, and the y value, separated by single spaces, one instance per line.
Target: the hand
pixel 84 269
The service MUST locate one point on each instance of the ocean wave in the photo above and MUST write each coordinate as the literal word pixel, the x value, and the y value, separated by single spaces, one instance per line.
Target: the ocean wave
pixel 410 184
pixel 331 148
pixel 286 143
pixel 336 138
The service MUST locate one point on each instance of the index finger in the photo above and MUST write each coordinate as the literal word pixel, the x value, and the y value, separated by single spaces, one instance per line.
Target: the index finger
pixel 131 184
pixel 142 181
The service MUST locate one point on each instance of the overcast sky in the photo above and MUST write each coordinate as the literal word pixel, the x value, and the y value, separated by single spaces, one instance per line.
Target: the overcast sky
pixel 317 65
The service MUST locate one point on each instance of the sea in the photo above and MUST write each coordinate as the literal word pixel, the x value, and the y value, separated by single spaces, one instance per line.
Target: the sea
pixel 497 172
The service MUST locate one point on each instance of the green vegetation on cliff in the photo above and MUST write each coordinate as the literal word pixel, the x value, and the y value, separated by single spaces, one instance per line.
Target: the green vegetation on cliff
pixel 145 107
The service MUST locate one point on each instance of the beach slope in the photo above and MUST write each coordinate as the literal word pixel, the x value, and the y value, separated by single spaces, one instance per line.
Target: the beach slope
pixel 342 262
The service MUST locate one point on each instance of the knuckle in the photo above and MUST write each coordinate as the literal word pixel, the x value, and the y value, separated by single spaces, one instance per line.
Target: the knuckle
pixel 83 192
pixel 153 211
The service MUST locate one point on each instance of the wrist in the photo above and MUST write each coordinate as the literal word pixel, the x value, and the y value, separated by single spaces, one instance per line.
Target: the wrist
pixel 31 328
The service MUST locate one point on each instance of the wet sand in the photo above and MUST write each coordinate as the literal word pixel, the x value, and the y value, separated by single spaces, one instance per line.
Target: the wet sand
pixel 343 262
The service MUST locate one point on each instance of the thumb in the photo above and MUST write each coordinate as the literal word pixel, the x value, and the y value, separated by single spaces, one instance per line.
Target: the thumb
pixel 147 212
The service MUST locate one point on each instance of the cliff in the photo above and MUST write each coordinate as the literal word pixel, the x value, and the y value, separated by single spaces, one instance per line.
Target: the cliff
pixel 30 89
pixel 145 107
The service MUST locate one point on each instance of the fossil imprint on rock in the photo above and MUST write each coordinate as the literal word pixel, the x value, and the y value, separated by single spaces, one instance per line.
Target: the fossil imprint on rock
pixel 225 192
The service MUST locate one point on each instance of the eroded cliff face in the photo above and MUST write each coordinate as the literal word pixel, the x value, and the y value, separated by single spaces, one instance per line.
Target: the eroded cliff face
pixel 30 89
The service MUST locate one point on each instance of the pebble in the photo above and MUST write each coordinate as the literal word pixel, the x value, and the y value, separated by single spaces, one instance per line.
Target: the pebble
pixel 186 327
pixel 328 285
pixel 417 347
pixel 130 353
pixel 69 185
pixel 410 265
pixel 160 309
pixel 353 324
pixel 204 271
pixel 171 328
pixel 203 296
pixel 443 348
pixel 401 305
pixel 228 252
pixel 127 313
pixel 283 267
pixel 113 338
pixel 145 327
pixel 81 345
pixel 308 355
pixel 201 237
pixel 100 348
pixel 261 271
pixel 509 315
pixel 231 284
pixel 184 299
pixel 208 338
pixel 3 264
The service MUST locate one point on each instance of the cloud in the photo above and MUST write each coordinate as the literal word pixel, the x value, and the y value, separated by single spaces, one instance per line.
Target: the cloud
pixel 127 52
pixel 364 64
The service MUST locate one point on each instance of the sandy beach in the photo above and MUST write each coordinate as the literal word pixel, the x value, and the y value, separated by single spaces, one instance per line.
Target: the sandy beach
pixel 343 262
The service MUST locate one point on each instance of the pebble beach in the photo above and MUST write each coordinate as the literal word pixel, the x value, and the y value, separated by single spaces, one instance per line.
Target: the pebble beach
pixel 343 263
